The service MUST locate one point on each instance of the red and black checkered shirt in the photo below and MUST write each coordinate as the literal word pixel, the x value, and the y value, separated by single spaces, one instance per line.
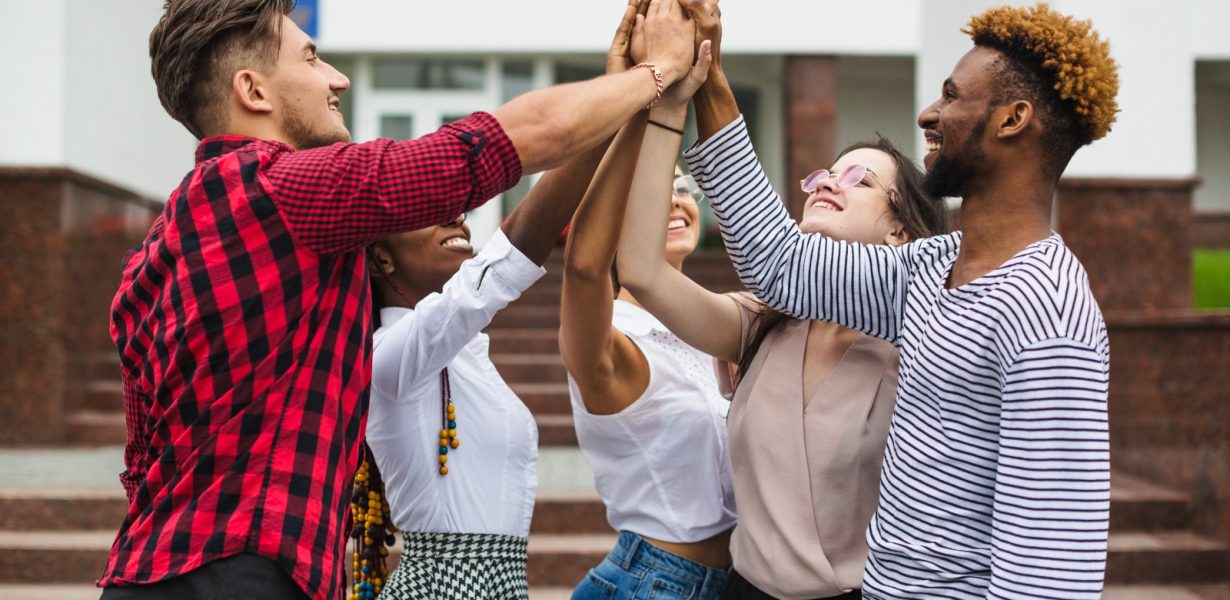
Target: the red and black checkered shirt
pixel 243 326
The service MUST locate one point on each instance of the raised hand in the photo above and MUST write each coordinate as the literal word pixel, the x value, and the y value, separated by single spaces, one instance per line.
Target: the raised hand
pixel 669 39
pixel 708 19
pixel 681 91
pixel 619 57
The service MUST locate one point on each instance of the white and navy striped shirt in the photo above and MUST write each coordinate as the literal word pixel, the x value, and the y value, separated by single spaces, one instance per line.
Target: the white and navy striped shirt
pixel 996 478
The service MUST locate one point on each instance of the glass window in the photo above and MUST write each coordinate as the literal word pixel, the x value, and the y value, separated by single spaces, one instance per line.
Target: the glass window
pixel 570 73
pixel 406 73
pixel 398 127
pixel 517 78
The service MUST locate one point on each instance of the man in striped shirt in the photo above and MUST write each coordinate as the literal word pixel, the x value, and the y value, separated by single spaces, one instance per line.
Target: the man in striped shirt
pixel 996 478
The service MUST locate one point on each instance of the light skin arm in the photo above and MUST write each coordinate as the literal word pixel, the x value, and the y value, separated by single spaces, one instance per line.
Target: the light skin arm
pixel 549 126
pixel 707 321
pixel 607 367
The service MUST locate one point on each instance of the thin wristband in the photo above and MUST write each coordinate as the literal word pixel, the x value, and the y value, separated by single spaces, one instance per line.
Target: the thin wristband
pixel 666 127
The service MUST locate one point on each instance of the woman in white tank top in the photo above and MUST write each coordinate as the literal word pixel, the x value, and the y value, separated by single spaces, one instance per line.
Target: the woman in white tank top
pixel 649 417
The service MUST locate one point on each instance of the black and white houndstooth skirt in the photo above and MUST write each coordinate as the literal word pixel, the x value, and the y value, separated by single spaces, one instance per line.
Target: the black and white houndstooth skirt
pixel 459 566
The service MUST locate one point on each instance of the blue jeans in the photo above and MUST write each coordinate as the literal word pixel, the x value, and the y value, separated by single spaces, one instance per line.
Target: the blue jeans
pixel 637 569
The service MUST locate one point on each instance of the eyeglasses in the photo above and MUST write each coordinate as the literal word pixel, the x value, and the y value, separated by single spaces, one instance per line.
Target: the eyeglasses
pixel 686 190
pixel 852 176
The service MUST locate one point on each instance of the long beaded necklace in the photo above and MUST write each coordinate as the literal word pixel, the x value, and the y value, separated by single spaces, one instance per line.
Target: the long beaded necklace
pixel 448 418
pixel 372 533
pixel 448 410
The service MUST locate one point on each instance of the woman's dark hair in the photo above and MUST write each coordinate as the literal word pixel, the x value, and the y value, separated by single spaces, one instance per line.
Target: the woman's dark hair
pixel 919 214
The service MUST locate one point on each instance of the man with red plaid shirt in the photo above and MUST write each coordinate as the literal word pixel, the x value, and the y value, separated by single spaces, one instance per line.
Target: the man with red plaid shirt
pixel 242 321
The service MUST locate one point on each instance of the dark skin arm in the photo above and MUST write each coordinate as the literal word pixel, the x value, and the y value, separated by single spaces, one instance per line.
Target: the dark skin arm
pixel 714 101
pixel 535 225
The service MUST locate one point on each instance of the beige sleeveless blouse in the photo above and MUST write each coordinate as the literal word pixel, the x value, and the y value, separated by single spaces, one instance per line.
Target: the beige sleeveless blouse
pixel 807 474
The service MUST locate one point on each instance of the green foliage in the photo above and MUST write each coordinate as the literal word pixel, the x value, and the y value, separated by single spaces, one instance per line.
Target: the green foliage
pixel 1211 275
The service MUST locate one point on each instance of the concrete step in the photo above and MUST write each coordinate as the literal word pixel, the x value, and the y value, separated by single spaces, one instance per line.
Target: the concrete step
pixel 1175 557
pixel 528 316
pixel 563 512
pixel 556 430
pixel 94 366
pixel 62 508
pixel 529 367
pixel 98 395
pixel 533 340
pixel 1167 592
pixel 544 398
pixel 1139 505
pixel 95 428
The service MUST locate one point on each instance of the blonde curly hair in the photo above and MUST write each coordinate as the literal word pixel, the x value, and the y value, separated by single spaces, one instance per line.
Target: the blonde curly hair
pixel 1059 52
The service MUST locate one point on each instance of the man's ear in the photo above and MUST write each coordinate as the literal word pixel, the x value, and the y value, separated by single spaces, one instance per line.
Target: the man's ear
pixel 251 90
pixel 1014 118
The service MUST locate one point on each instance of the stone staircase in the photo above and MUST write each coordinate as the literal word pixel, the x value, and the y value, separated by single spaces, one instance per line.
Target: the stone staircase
pixel 59 508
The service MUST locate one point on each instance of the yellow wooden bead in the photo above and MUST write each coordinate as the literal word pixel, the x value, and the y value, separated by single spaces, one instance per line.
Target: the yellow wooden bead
pixel 443 441
pixel 444 433
pixel 456 442
pixel 443 470
pixel 443 458
pixel 452 433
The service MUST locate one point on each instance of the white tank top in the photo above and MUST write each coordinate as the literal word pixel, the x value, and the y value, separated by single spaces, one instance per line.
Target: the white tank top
pixel 661 464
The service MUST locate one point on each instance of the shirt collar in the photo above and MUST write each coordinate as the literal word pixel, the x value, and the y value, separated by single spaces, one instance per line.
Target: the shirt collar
pixel 213 147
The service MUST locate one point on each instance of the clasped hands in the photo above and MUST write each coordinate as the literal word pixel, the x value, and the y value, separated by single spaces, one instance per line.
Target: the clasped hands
pixel 680 37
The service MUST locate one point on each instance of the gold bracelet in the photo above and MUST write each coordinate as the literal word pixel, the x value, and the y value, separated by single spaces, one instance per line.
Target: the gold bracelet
pixel 657 82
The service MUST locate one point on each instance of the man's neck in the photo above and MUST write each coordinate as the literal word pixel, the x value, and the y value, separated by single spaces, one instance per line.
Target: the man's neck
pixel 998 222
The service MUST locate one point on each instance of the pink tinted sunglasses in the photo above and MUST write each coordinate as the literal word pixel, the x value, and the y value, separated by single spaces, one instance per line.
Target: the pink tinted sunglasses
pixel 852 176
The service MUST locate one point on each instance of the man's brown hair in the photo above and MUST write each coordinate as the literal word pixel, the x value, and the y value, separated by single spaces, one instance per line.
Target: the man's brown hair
pixel 199 44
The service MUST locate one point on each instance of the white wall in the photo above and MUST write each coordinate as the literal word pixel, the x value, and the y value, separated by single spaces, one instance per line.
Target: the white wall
pixel 1154 135
pixel 115 128
pixel 81 95
pixel 32 69
pixel 758 27
pixel 1211 39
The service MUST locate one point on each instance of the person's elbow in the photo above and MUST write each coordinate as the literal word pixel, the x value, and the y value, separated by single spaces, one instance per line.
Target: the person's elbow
pixel 586 270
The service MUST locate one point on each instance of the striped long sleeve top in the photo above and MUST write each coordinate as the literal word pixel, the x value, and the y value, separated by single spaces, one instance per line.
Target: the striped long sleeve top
pixel 996 477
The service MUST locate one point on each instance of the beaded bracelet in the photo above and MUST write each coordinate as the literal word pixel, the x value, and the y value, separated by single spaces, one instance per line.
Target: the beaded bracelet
pixel 657 82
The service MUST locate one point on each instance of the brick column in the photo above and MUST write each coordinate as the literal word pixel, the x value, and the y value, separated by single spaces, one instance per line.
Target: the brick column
pixel 1134 238
pixel 811 120
pixel 63 239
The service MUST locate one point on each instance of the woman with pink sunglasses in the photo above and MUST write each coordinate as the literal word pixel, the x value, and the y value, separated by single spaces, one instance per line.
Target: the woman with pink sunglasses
pixel 811 400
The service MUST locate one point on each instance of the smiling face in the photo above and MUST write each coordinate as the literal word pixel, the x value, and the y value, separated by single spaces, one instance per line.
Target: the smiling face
pixel 955 125
pixel 304 91
pixel 683 225
pixel 420 262
pixel 859 213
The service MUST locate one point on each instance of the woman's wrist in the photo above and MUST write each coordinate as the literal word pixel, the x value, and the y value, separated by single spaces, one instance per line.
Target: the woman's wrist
pixel 671 115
